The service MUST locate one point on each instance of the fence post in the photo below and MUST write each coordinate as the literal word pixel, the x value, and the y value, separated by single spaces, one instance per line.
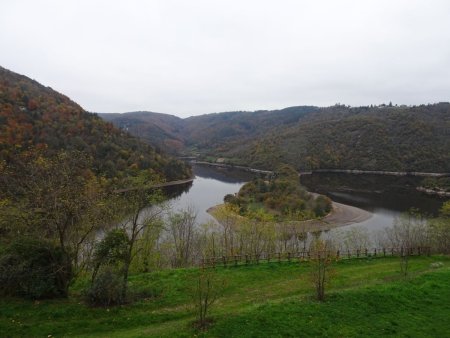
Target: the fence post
pixel 246 259
pixel 289 257
pixel 268 257
pixel 357 253
pixel 392 251
pixel 338 254
pixel 224 259
pixel 384 252
pixel 279 257
pixel 375 252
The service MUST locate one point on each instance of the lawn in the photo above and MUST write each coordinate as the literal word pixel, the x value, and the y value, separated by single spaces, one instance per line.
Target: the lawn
pixel 367 297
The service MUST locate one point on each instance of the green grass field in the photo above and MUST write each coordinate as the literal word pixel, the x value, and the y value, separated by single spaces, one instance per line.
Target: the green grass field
pixel 367 298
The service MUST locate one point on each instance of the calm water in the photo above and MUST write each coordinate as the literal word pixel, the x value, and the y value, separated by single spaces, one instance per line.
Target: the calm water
pixel 385 197
pixel 209 188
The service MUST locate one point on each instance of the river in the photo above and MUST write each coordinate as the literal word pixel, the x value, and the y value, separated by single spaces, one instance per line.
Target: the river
pixel 386 197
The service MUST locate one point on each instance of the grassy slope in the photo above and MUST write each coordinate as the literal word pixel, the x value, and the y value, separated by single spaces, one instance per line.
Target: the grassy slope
pixel 367 298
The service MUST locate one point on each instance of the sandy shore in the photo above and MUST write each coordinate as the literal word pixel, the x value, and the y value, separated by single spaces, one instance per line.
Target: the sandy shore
pixel 341 215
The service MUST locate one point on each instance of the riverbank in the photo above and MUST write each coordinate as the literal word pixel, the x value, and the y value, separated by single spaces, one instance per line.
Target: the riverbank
pixel 340 215
pixel 434 192
pixel 230 166
pixel 337 171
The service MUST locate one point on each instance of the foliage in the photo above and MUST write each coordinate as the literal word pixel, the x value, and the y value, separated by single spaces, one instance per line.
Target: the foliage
pixel 437 183
pixel 384 137
pixel 280 197
pixel 110 251
pixel 211 131
pixel 105 290
pixel 367 138
pixel 57 199
pixel 142 210
pixel 33 268
pixel 32 115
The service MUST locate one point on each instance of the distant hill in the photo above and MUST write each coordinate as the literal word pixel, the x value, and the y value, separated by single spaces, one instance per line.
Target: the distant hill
pixel 385 137
pixel 32 115
pixel 161 130
pixel 210 131
pixel 367 138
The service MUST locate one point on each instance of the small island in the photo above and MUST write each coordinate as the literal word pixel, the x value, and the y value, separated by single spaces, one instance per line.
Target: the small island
pixel 279 198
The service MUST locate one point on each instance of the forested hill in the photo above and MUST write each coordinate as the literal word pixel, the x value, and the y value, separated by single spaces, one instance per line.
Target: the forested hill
pixel 161 130
pixel 385 137
pixel 367 138
pixel 32 115
pixel 205 132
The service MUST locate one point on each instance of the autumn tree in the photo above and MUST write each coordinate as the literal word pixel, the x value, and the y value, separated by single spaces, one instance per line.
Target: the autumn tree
pixel 54 198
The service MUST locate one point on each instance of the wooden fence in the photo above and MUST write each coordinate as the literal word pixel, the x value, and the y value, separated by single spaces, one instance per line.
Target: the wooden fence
pixel 302 256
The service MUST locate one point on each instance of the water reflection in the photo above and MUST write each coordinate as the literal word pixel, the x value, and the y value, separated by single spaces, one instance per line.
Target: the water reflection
pixel 208 189
pixel 387 197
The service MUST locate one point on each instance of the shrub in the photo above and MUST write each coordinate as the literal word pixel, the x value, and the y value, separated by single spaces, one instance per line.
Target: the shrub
pixel 34 269
pixel 106 290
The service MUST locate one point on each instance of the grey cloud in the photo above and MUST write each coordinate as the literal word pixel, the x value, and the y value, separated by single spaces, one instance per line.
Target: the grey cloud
pixel 193 57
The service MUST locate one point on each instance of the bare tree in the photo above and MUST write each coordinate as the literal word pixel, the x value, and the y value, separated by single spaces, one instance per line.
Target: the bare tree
pixel 410 230
pixel 207 288
pixel 181 227
pixel 440 230
pixel 322 257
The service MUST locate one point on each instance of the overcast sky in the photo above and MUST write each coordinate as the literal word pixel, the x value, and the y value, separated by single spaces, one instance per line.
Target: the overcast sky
pixel 193 57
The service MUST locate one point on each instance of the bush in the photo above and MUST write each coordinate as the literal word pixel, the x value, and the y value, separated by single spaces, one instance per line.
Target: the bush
pixel 106 290
pixel 322 206
pixel 34 269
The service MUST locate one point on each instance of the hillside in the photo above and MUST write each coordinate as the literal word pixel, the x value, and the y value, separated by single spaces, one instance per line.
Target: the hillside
pixel 385 137
pixel 210 131
pixel 366 298
pixel 32 115
pixel 161 130
pixel 378 138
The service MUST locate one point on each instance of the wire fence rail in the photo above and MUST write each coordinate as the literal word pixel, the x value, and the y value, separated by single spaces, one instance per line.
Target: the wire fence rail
pixel 303 256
